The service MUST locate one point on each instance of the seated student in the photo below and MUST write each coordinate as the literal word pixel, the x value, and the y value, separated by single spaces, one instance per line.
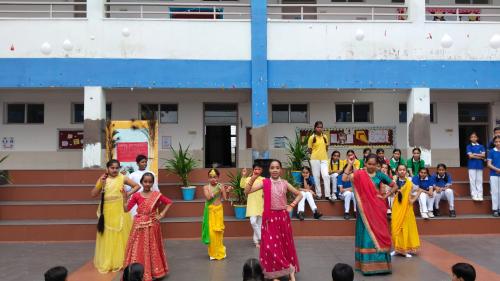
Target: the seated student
pixel 426 199
pixel 307 191
pixel 396 160
pixel 346 194
pixel 351 155
pixel 381 156
pixel 415 163
pixel 133 272
pixel 367 151
pixel 342 272
pixel 58 273
pixel 442 189
pixel 334 171
pixel 252 271
pixel 463 272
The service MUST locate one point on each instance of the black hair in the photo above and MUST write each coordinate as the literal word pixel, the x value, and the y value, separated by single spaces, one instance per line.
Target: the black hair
pixel 396 150
pixel 424 168
pixel 441 165
pixel 252 271
pixel 275 160
pixel 100 221
pixel 367 149
pixel 464 271
pixel 215 170
pixel 380 150
pixel 400 196
pixel 310 180
pixel 371 156
pixel 352 151
pixel 133 272
pixel 342 272
pixel 316 124
pixel 257 165
pixel 147 174
pixel 417 149
pixel 58 273
pixel 140 157
pixel 496 129
pixel 335 151
pixel 495 138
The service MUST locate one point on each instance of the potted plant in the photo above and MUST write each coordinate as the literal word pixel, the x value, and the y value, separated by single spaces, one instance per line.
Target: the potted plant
pixel 182 164
pixel 239 198
pixel 291 180
pixel 297 154
pixel 4 175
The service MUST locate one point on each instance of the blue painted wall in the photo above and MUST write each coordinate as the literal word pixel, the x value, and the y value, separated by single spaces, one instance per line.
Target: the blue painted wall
pixel 370 74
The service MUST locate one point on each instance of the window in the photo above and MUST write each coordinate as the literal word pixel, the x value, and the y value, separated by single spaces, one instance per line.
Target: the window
pixel 473 113
pixel 290 113
pixel 359 112
pixel 403 110
pixel 398 1
pixel 166 113
pixel 467 2
pixel 25 113
pixel 78 112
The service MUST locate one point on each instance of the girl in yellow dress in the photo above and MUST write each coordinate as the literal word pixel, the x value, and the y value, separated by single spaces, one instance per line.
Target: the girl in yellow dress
pixel 213 216
pixel 113 226
pixel 403 224
pixel 255 203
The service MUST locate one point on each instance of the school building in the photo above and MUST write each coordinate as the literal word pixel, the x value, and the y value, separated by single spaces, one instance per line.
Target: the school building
pixel 428 72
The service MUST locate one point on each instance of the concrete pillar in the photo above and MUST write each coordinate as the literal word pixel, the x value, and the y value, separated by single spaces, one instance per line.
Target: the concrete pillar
pixel 416 11
pixel 260 119
pixel 94 114
pixel 418 110
pixel 95 10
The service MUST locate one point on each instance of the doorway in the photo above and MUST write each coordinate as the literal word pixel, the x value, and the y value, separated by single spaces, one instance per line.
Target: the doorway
pixel 221 135
pixel 472 117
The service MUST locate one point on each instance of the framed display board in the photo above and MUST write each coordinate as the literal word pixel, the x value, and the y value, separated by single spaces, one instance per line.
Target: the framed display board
pixel 70 139
pixel 358 137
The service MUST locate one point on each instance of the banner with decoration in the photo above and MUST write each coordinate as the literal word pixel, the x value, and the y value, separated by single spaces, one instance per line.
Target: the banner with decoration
pixel 357 136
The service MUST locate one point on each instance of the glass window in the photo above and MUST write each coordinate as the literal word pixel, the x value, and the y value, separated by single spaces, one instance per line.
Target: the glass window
pixel 15 113
pixel 35 113
pixel 280 113
pixel 402 113
pixel 168 113
pixel 221 114
pixel 473 113
pixel 78 110
pixel 362 113
pixel 149 111
pixel 298 113
pixel 343 112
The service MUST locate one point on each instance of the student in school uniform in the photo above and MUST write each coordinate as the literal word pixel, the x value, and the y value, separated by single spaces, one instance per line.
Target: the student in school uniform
pixel 494 165
pixel 334 171
pixel 496 132
pixel 396 160
pixel 367 151
pixel 317 145
pixel 351 156
pixel 426 199
pixel 476 153
pixel 381 156
pixel 346 194
pixel 442 188
pixel 415 163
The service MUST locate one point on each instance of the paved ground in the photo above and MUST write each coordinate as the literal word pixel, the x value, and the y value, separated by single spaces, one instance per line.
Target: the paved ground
pixel 188 259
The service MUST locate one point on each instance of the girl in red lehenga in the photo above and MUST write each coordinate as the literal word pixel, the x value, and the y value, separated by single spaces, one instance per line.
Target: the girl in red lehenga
pixel 277 249
pixel 145 244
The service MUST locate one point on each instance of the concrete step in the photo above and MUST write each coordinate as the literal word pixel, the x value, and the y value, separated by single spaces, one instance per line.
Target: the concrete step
pixel 34 210
pixel 190 227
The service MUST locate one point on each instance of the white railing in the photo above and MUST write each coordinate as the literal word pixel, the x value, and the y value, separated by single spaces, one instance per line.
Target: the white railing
pixel 470 13
pixel 46 9
pixel 165 10
pixel 337 12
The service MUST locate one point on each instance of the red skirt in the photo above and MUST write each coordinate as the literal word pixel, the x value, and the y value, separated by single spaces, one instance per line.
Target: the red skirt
pixel 277 248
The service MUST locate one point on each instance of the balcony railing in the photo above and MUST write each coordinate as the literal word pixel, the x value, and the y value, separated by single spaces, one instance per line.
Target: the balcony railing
pixel 470 13
pixel 47 9
pixel 173 10
pixel 337 12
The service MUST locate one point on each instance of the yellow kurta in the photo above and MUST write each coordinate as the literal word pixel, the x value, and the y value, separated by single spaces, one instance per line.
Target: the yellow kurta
pixel 111 244
pixel 255 200
pixel 403 224
pixel 356 164
pixel 216 248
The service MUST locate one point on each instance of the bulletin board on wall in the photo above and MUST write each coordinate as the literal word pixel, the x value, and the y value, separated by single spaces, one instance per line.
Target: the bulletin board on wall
pixel 70 139
pixel 358 136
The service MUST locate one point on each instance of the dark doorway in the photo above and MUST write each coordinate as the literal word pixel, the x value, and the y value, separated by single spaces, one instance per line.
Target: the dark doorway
pixel 472 117
pixel 220 135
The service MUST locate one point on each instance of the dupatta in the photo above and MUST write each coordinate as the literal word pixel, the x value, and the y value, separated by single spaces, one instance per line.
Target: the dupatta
pixel 373 210
pixel 205 235
pixel 399 215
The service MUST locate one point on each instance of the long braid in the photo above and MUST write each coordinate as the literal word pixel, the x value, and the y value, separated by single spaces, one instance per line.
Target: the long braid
pixel 100 222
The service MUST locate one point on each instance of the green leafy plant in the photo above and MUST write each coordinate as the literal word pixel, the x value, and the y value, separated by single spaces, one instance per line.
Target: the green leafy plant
pixel 297 151
pixel 4 175
pixel 181 164
pixel 238 193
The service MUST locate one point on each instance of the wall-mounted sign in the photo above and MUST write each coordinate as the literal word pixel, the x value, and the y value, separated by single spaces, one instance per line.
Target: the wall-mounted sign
pixel 8 143
pixel 70 139
pixel 358 137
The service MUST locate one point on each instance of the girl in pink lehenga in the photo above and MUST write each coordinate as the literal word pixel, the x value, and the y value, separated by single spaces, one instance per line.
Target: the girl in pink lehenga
pixel 277 250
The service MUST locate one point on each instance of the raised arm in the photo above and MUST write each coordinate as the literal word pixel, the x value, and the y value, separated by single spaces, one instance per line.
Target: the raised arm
pixel 253 186
pixel 135 186
pixel 347 176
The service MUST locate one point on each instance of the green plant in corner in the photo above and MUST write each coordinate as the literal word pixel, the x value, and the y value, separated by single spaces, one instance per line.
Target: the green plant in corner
pixel 238 193
pixel 4 175
pixel 181 164
pixel 297 151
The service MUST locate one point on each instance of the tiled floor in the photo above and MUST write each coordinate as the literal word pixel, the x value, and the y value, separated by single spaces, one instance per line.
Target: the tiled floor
pixel 188 260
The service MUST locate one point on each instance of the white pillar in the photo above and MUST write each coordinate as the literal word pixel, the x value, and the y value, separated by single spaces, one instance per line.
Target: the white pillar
pixel 95 10
pixel 94 115
pixel 418 110
pixel 416 11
